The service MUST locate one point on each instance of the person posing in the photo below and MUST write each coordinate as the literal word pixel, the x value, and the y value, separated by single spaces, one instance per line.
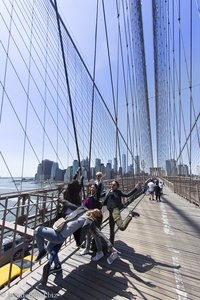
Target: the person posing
pixel 80 218
pixel 91 202
pixel 113 201
pixel 100 185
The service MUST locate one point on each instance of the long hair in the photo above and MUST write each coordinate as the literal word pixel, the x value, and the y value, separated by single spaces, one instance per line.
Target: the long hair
pixel 72 193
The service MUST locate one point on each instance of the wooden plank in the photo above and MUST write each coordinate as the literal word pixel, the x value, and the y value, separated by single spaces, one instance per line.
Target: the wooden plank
pixel 18 228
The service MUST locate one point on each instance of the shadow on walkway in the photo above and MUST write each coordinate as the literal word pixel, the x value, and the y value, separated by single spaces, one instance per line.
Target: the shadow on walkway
pixel 141 263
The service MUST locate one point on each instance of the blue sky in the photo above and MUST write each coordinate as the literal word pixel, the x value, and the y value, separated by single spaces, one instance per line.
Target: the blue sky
pixel 79 17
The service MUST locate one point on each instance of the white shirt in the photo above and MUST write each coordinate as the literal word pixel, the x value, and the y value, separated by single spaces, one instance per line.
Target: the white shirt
pixel 151 186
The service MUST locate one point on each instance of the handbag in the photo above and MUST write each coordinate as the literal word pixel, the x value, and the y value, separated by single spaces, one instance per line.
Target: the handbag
pixel 59 224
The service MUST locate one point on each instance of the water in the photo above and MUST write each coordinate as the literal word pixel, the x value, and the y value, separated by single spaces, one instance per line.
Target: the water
pixel 8 186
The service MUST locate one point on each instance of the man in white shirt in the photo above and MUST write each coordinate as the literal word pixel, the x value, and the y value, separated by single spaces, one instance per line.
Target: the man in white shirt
pixel 151 186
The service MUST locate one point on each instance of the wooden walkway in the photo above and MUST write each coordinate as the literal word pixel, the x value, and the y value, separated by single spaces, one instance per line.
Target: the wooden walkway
pixel 160 259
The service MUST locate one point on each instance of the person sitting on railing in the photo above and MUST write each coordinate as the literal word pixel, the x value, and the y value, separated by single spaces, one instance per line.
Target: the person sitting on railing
pixel 113 201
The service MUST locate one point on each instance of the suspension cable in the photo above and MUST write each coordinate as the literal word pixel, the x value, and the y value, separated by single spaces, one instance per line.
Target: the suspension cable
pixel 67 82
pixel 93 88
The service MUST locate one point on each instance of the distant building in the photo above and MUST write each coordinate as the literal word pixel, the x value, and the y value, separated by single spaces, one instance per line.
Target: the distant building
pixel 183 170
pixel 131 170
pixel 85 168
pixel 171 168
pixel 38 175
pixel 110 162
pixel 120 171
pixel 108 171
pixel 198 170
pixel 74 167
pixel 60 175
pixel 54 169
pixel 137 165
pixel 123 164
pixel 97 165
pixel 115 166
pixel 157 171
pixel 44 170
pixel 92 172
pixel 103 168
pixel 68 174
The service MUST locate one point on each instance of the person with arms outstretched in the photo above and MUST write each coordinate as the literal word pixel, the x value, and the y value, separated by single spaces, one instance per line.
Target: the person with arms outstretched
pixel 113 201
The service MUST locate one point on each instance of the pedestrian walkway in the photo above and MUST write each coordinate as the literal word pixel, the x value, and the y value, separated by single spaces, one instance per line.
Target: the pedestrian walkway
pixel 160 259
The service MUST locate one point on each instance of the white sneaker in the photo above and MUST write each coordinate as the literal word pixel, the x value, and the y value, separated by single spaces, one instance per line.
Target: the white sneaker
pixel 98 256
pixel 84 251
pixel 112 257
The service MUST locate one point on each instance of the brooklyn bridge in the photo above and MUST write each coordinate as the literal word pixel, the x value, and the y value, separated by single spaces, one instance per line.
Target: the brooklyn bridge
pixel 110 87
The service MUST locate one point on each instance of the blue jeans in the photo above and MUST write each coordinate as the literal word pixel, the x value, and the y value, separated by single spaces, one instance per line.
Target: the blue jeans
pixel 53 255
pixel 97 241
pixel 49 234
pixel 54 237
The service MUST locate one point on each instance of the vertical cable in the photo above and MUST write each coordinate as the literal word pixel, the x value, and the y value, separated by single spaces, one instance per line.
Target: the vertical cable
pixel 190 159
pixel 93 89
pixel 67 82
pixel 173 81
pixel 179 88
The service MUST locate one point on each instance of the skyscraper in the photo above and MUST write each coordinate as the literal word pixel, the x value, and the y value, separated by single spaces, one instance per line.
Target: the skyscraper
pixel 171 167
pixel 75 167
pixel 123 164
pixel 137 165
pixel 97 165
pixel 115 166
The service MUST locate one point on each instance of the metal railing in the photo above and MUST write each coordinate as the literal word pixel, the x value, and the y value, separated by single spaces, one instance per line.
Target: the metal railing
pixel 30 209
pixel 186 187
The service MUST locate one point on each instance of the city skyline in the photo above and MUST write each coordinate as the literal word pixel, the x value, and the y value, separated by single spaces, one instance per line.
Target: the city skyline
pixel 49 170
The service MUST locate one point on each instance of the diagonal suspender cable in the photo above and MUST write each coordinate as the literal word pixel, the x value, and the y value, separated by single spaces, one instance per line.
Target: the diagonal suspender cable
pixel 111 78
pixel 27 95
pixel 97 89
pixel 67 82
pixel 6 64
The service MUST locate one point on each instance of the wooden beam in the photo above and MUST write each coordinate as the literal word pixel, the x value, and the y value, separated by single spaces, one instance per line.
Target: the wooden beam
pixel 18 228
